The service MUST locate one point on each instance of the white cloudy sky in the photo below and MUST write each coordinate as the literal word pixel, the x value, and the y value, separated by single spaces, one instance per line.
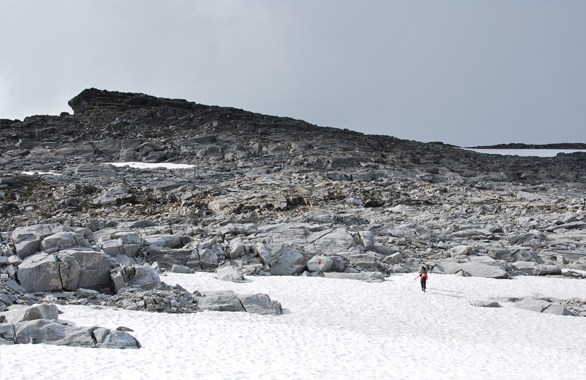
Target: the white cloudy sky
pixel 463 72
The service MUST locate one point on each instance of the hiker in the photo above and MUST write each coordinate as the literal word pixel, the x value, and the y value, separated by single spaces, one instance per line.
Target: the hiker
pixel 423 276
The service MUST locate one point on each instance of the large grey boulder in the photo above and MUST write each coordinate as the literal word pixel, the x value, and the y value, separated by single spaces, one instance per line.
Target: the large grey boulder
pixel 108 338
pixel 27 240
pixel 135 276
pixel 512 253
pixel 63 240
pixel 61 334
pixel 535 269
pixel 69 269
pixel 84 269
pixel 476 266
pixel 29 313
pixel 290 261
pixel 40 273
pixel 52 332
pixel 230 273
pixel 260 304
pixel 320 263
pixel 167 257
pixel 224 300
pixel 227 300
pixel 542 306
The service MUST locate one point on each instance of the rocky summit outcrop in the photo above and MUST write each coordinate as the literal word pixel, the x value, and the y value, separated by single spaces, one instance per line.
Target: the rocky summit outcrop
pixel 263 195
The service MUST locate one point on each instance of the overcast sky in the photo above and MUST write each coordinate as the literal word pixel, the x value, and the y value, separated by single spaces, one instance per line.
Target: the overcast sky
pixel 469 72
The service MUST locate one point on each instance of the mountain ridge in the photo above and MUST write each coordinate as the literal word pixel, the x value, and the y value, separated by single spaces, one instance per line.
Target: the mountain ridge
pixel 101 115
pixel 230 149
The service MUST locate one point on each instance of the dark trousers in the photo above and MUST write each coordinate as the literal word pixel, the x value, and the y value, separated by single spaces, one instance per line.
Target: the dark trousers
pixel 423 281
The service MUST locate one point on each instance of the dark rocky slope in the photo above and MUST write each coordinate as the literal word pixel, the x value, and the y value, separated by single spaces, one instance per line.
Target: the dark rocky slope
pixel 226 145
